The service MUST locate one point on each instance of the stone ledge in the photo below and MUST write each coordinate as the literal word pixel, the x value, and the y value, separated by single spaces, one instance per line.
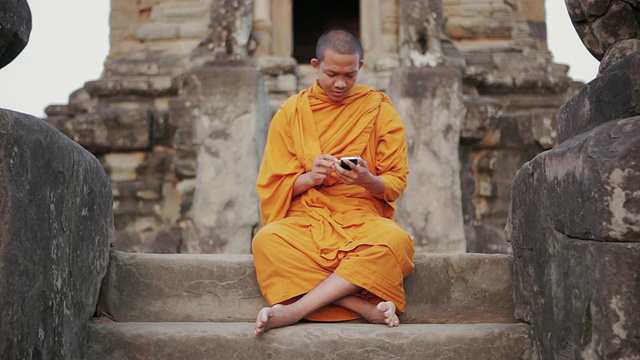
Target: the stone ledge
pixel 308 341
pixel 457 288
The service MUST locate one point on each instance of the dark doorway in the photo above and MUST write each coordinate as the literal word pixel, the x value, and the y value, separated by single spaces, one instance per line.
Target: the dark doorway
pixel 312 18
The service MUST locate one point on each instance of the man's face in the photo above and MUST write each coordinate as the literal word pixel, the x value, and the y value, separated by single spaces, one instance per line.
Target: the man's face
pixel 337 73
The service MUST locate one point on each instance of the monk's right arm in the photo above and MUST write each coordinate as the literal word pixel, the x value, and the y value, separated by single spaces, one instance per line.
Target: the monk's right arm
pixel 320 170
pixel 303 183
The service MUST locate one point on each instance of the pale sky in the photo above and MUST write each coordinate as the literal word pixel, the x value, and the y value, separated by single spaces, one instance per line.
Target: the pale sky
pixel 69 43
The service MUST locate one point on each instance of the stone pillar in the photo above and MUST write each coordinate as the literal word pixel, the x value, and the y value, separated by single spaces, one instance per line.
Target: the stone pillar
pixel 428 97
pixel 262 27
pixel 229 134
pixel 228 110
pixel 390 12
pixel 282 19
pixel 370 28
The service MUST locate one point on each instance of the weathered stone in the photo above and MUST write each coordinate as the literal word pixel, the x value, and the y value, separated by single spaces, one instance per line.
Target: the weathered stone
pixel 116 341
pixel 276 65
pixel 193 29
pixel 157 31
pixel 617 52
pixel 132 85
pixel 122 166
pixel 55 228
pixel 15 28
pixel 421 30
pixel 617 90
pixel 231 24
pixel 480 116
pixel 451 288
pixel 430 208
pixel 109 130
pixel 503 72
pixel 167 240
pixel 602 23
pixel 230 134
pixel 584 198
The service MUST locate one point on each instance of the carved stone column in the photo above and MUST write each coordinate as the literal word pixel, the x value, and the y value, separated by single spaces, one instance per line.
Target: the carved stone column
pixel 262 26
pixel 226 102
pixel 390 16
pixel 282 31
pixel 428 97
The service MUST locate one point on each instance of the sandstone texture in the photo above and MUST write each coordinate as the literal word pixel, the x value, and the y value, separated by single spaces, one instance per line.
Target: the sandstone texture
pixel 15 28
pixel 614 94
pixel 430 209
pixel 603 23
pixel 229 121
pixel 169 306
pixel 575 229
pixel 308 341
pixel 55 227
pixel 452 288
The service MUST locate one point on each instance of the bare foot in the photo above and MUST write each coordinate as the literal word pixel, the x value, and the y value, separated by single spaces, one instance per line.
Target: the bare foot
pixel 273 317
pixel 388 310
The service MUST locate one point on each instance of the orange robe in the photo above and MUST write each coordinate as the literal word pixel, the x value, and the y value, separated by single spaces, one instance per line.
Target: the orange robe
pixel 333 227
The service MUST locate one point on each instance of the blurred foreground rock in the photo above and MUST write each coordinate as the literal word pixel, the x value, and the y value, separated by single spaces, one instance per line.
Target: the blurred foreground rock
pixel 55 227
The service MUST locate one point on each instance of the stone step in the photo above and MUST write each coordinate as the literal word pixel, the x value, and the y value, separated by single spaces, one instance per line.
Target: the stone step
pixel 443 288
pixel 353 341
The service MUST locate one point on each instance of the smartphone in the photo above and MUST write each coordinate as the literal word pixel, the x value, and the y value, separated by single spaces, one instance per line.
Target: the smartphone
pixel 353 159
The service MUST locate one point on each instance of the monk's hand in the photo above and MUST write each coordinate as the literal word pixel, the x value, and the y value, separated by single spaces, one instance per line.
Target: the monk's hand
pixel 360 175
pixel 322 167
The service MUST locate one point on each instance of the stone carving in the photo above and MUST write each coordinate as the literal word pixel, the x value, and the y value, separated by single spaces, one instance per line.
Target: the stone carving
pixel 231 25
pixel 603 23
pixel 421 29
pixel 15 28
pixel 574 219
pixel 56 224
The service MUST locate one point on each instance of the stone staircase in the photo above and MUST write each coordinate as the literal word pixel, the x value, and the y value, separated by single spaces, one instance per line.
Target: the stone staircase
pixel 189 306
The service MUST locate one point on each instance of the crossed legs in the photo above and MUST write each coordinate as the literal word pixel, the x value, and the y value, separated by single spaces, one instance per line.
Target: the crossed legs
pixel 333 290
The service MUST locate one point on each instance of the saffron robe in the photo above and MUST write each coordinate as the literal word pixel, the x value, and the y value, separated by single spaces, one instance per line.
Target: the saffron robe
pixel 332 227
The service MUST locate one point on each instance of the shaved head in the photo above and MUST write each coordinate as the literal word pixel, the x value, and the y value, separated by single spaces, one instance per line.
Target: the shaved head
pixel 340 41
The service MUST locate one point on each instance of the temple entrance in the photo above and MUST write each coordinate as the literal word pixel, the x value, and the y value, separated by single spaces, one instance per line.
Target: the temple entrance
pixel 312 18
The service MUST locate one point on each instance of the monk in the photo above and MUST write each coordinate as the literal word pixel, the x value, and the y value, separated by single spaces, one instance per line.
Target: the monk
pixel 329 249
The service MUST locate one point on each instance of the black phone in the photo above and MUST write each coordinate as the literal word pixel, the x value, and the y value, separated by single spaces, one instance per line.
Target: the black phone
pixel 353 159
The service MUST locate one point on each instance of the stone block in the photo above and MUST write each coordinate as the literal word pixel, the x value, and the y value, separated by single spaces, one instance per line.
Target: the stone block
pixel 123 166
pixel 132 85
pixel 158 31
pixel 430 208
pixel 288 83
pixel 480 117
pixel 445 289
pixel 229 134
pixel 15 28
pixel 193 29
pixel 166 341
pixel 108 130
pixel 615 90
pixel 55 228
pixel 276 65
pixel 574 225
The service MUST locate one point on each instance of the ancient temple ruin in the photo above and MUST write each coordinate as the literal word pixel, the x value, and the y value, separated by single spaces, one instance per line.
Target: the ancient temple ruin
pixel 149 135
pixel 504 147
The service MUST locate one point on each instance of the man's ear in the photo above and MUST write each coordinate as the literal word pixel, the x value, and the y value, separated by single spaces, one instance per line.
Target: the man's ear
pixel 315 63
pixel 361 63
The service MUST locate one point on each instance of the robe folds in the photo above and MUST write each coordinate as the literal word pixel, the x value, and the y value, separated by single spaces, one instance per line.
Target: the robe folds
pixel 332 227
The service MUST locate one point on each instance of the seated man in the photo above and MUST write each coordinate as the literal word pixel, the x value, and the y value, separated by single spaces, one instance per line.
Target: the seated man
pixel 329 249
